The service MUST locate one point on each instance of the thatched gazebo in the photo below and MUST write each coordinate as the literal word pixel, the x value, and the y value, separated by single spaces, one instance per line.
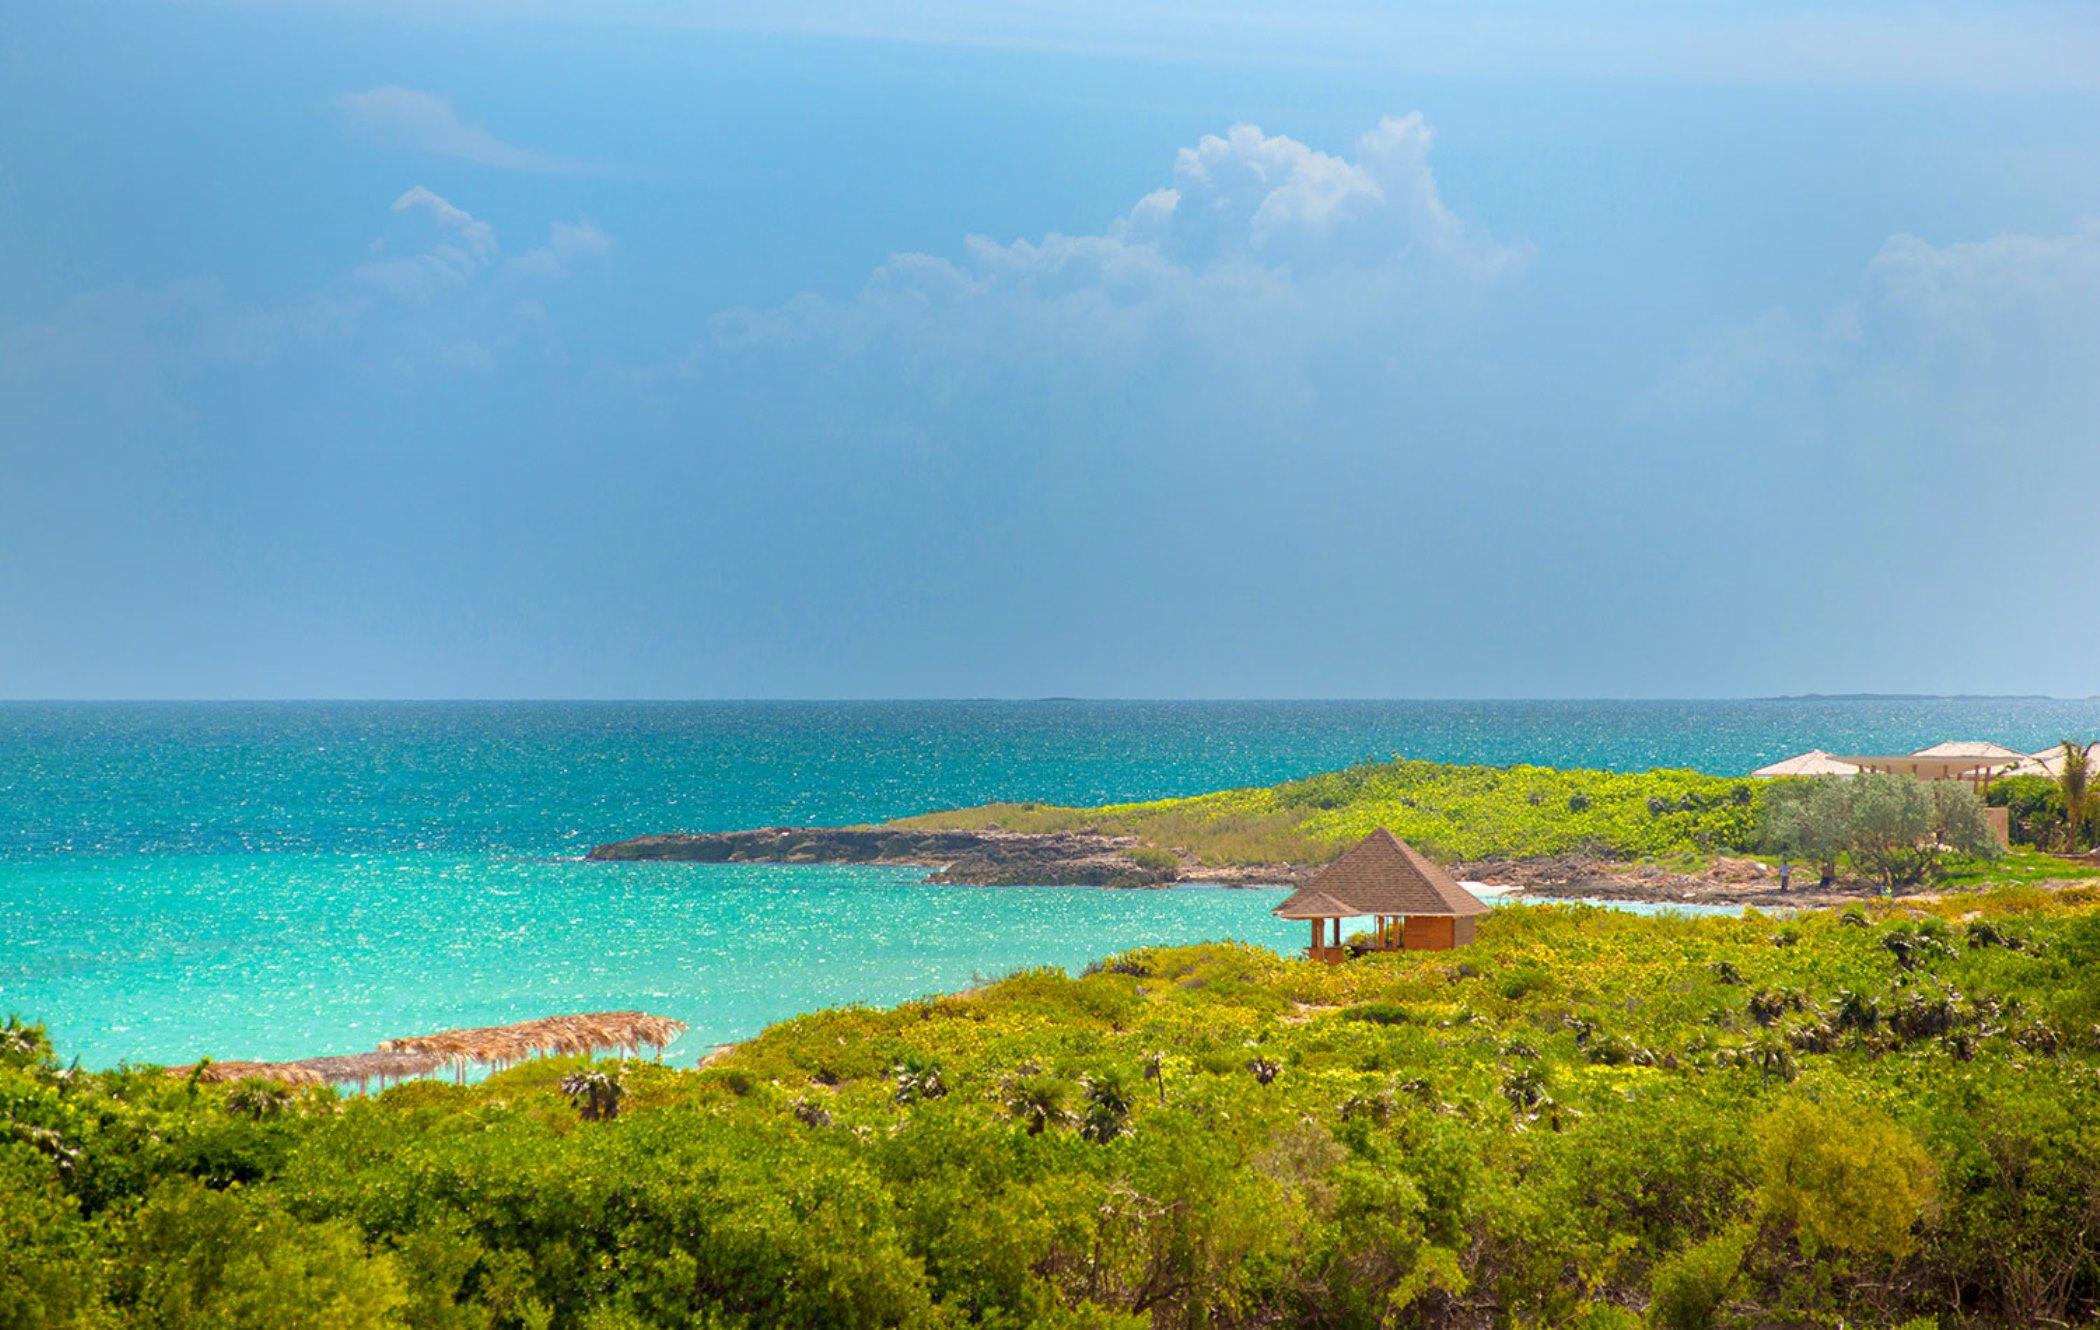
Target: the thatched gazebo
pixel 1414 903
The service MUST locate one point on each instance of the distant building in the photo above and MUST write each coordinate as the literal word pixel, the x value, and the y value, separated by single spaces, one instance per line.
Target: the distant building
pixel 1413 903
pixel 1977 761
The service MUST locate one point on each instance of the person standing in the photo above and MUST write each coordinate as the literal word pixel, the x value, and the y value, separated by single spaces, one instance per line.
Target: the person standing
pixel 1786 876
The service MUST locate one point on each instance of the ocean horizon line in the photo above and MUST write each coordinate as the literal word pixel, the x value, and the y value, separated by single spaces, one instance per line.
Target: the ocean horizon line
pixel 1046 699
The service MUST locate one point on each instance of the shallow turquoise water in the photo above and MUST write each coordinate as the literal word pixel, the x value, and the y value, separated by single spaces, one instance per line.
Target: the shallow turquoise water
pixel 286 956
pixel 286 880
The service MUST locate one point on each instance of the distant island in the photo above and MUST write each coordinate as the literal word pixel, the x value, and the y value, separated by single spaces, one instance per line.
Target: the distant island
pixel 1909 697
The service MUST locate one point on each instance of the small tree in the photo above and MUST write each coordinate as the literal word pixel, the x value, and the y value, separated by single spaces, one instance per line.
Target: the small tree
pixel 1807 818
pixel 2075 782
pixel 1035 1100
pixel 1896 828
pixel 1901 826
pixel 1891 816
pixel 1107 1107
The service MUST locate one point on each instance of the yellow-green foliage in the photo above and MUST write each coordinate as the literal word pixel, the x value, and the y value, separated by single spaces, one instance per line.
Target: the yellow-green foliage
pixel 1843 1176
pixel 1587 1117
pixel 1450 812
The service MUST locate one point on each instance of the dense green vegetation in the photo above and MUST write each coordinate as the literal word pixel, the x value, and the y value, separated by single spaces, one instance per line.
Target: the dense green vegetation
pixel 2038 816
pixel 1449 812
pixel 1586 1118
pixel 1887 830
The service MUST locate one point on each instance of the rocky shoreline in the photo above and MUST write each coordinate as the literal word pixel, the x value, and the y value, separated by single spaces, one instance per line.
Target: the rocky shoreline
pixel 979 858
pixel 1013 858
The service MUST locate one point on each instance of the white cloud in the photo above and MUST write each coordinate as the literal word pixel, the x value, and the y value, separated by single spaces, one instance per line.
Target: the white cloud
pixel 1978 293
pixel 1283 194
pixel 568 243
pixel 2013 319
pixel 446 252
pixel 1260 249
pixel 424 122
pixel 435 293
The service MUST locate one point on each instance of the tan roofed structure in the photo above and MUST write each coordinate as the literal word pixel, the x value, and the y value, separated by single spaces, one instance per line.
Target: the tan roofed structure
pixel 2048 762
pixel 1970 748
pixel 1415 904
pixel 1814 762
pixel 1978 771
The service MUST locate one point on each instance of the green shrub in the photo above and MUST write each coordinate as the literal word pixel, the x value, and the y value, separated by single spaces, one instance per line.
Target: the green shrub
pixel 196 1257
pixel 2034 810
pixel 1378 1013
pixel 1689 1289
pixel 50 1273
pixel 1845 1178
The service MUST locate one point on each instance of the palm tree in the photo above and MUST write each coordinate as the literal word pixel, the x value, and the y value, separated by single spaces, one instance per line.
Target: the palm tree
pixel 1035 1101
pixel 596 1095
pixel 2073 780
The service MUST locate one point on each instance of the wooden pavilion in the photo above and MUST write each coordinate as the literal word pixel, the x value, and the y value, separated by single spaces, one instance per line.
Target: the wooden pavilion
pixel 1414 904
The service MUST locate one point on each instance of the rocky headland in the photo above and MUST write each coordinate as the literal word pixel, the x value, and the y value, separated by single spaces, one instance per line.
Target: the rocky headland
pixel 983 858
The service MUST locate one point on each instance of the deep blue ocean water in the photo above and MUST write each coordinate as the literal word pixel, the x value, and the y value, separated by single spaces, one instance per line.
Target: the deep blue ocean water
pixel 280 880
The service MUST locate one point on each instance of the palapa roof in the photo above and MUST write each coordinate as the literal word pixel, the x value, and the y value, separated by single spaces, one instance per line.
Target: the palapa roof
pixel 1380 875
pixel 1814 762
pixel 219 1073
pixel 417 1055
pixel 583 1033
pixel 362 1067
pixel 1970 748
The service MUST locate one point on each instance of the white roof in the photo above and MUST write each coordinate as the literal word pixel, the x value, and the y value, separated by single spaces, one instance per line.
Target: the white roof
pixel 2048 762
pixel 1970 748
pixel 1814 762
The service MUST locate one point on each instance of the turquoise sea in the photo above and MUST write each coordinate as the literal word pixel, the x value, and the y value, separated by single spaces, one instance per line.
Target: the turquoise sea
pixel 283 880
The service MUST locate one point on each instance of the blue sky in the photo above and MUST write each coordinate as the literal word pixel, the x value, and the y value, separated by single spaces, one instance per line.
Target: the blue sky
pixel 679 350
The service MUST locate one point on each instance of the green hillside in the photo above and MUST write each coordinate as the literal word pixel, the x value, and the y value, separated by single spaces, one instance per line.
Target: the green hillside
pixel 1450 812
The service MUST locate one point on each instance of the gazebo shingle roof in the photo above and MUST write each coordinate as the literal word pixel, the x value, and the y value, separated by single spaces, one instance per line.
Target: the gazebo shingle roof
pixel 1382 875
pixel 1305 903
